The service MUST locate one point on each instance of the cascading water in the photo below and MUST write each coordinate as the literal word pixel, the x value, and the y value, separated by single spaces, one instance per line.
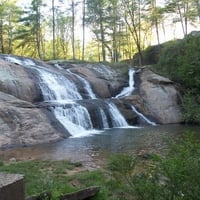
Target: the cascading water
pixel 57 87
pixel 142 116
pixel 104 118
pixel 73 116
pixel 117 119
pixel 86 85
pixel 69 106
pixel 128 90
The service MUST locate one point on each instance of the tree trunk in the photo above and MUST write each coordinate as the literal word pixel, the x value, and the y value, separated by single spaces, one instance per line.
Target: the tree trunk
pixel 53 21
pixel 38 32
pixel 83 36
pixel 102 39
pixel 1 36
pixel 83 194
pixel 73 30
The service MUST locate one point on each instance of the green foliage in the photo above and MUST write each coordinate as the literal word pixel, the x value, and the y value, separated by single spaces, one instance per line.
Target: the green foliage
pixel 180 61
pixel 95 177
pixel 1 163
pixel 42 176
pixel 190 108
pixel 175 176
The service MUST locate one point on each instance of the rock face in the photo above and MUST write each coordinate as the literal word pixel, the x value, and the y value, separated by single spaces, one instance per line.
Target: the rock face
pixel 105 81
pixel 158 97
pixel 25 120
pixel 21 123
pixel 16 81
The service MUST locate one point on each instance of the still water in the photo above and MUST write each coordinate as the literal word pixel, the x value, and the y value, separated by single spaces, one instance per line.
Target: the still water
pixel 84 149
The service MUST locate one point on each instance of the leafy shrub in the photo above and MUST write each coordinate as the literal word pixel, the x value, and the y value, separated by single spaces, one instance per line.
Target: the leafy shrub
pixel 180 60
pixel 175 176
pixel 1 163
pixel 191 109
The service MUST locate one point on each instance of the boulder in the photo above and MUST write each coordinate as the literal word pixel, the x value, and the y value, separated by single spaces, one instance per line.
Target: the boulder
pixel 160 96
pixel 100 86
pixel 22 123
pixel 15 80
pixel 12 187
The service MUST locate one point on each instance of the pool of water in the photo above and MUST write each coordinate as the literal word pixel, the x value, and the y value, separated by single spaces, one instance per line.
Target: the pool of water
pixel 84 149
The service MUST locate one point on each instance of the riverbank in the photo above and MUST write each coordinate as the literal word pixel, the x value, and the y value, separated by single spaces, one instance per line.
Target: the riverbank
pixel 122 176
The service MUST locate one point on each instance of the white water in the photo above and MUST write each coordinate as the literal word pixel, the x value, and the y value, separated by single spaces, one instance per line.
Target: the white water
pixel 128 90
pixel 142 116
pixel 86 84
pixel 57 87
pixel 77 115
pixel 117 118
pixel 104 118
pixel 26 61
pixel 63 92
pixel 74 117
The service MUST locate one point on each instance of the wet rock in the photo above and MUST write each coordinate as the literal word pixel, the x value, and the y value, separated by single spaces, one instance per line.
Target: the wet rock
pixel 24 122
pixel 15 80
pixel 21 123
pixel 105 81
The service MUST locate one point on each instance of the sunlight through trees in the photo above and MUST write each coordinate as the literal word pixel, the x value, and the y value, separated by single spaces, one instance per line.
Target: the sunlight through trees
pixel 100 30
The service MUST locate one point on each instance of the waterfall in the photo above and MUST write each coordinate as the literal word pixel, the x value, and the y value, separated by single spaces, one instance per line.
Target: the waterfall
pixel 25 61
pixel 86 85
pixel 142 116
pixel 70 108
pixel 104 118
pixel 128 90
pixel 57 87
pixel 117 118
pixel 73 116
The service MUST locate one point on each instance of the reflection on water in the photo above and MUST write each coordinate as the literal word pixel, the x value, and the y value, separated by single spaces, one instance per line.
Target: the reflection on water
pixel 109 141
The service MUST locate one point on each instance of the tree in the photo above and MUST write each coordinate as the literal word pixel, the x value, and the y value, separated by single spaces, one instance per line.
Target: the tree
pixel 63 34
pixel 96 18
pixel 113 24
pixel 134 11
pixel 53 25
pixel 9 14
pixel 30 33
pixel 36 8
pixel 156 17
pixel 73 12
pixel 197 6
pixel 83 26
pixel 184 12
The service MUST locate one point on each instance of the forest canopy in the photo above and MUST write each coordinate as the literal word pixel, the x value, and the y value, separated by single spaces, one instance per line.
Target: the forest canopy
pixel 54 29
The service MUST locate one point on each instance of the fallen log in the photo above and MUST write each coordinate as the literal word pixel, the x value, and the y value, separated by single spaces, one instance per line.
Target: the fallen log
pixel 81 194
pixel 41 196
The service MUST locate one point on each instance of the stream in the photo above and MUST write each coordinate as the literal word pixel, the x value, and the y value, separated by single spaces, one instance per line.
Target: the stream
pixel 100 145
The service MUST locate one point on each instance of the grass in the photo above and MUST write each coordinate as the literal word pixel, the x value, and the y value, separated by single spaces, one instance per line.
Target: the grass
pixel 53 176
pixel 43 176
pixel 125 177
